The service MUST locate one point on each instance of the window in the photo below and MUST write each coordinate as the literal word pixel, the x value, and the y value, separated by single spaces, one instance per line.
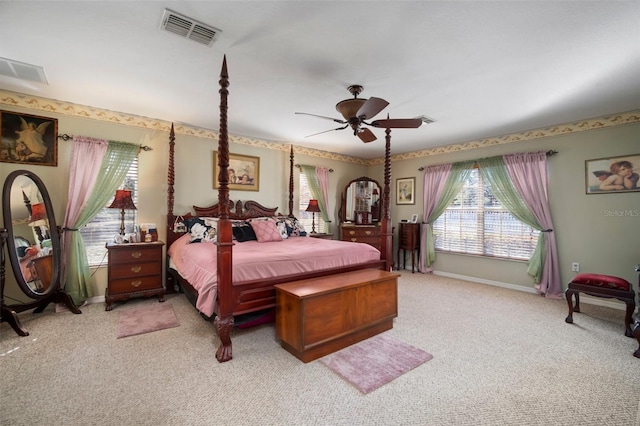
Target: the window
pixel 305 217
pixel 106 224
pixel 476 223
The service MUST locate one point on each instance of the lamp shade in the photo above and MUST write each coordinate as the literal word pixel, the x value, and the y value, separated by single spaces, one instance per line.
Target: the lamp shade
pixel 123 200
pixel 313 206
pixel 38 215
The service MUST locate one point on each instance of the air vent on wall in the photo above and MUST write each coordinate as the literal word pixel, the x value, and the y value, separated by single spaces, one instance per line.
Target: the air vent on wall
pixel 188 28
pixel 23 71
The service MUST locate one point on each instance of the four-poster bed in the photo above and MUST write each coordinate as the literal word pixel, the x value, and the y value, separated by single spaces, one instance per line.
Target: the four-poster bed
pixel 233 288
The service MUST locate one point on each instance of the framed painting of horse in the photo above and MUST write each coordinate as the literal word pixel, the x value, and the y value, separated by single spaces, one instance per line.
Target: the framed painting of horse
pixel 28 139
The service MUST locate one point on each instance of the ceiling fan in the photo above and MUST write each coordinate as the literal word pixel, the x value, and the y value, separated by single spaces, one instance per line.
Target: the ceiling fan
pixel 355 111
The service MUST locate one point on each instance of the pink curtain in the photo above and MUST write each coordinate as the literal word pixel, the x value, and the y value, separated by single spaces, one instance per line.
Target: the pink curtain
pixel 322 173
pixel 528 172
pixel 435 178
pixel 86 160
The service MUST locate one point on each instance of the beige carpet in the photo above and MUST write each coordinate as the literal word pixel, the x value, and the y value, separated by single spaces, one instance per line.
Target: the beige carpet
pixel 500 357
pixel 146 319
pixel 374 362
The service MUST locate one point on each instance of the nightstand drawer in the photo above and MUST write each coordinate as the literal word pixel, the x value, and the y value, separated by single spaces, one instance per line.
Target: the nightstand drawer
pixel 132 284
pixel 134 255
pixel 137 269
pixel 369 234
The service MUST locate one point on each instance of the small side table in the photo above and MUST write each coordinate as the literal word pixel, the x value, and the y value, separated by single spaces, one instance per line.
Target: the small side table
pixel 409 239
pixel 135 270
pixel 323 236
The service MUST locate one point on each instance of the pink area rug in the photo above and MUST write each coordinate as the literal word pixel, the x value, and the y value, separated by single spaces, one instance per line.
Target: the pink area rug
pixel 145 319
pixel 374 362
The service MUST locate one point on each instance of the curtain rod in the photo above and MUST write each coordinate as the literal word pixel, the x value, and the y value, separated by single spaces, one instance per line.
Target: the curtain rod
pixel 549 153
pixel 66 137
pixel 300 167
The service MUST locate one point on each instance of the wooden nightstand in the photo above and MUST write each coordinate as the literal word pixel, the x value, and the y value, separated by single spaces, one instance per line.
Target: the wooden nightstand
pixel 135 270
pixel 323 236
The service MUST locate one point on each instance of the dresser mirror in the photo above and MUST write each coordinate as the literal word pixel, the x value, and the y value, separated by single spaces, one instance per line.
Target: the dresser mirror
pixel 360 203
pixel 33 244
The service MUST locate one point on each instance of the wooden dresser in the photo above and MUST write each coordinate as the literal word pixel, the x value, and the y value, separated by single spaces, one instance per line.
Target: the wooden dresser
pixel 42 271
pixel 369 234
pixel 408 239
pixel 318 316
pixel 135 270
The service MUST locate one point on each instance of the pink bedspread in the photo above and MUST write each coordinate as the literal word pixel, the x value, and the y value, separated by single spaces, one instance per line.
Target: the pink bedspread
pixel 253 260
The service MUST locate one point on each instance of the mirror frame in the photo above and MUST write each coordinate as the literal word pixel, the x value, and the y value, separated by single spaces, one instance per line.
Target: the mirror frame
pixel 342 213
pixel 53 233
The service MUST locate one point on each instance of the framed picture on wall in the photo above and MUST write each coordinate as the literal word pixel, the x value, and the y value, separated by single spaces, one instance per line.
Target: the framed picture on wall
pixel 405 190
pixel 244 172
pixel 28 139
pixel 613 174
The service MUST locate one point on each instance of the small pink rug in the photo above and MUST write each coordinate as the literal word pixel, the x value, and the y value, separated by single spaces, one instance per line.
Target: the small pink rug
pixel 145 319
pixel 374 362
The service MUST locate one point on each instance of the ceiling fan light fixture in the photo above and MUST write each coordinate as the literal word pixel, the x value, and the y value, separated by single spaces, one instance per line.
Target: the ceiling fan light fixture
pixel 349 107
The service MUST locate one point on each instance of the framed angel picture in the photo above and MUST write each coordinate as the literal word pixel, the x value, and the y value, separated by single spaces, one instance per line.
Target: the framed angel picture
pixel 613 174
pixel 244 172
pixel 28 139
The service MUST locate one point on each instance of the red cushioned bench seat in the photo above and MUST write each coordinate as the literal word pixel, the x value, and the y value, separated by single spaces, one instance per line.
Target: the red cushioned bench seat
pixel 601 286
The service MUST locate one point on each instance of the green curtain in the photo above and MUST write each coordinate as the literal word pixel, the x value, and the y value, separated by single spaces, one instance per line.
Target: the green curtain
pixel 114 168
pixel 494 172
pixel 457 176
pixel 314 186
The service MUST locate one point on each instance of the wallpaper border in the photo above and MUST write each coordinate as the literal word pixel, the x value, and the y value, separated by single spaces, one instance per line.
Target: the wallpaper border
pixel 67 108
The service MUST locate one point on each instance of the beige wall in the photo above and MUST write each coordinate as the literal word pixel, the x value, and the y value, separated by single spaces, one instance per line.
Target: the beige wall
pixel 587 229
pixel 600 231
pixel 193 175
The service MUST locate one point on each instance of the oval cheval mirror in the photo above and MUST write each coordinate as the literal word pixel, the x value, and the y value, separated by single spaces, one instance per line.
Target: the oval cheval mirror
pixel 33 243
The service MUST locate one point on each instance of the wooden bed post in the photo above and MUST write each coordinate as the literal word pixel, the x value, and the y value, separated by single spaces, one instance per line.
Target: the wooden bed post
pixel 169 287
pixel 291 182
pixel 386 230
pixel 224 320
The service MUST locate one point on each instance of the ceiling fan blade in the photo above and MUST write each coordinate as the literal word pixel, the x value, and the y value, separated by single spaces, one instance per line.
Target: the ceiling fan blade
pixel 327 131
pixel 322 116
pixel 397 123
pixel 371 108
pixel 366 135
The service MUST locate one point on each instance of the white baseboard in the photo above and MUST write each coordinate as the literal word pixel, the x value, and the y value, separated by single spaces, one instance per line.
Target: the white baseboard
pixel 609 303
pixel 92 300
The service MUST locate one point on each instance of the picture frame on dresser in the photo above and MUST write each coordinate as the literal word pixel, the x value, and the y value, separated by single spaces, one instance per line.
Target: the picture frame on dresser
pixel 405 190
pixel 28 139
pixel 414 218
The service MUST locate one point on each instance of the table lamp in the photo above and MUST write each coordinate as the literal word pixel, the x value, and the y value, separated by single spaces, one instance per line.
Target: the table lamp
pixel 122 201
pixel 313 208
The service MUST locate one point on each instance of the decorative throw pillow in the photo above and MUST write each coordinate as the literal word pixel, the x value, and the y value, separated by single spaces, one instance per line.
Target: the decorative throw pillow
pixel 282 228
pixel 242 233
pixel 266 230
pixel 202 229
pixel 294 227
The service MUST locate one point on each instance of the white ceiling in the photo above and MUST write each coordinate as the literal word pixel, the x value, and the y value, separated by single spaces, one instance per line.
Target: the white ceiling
pixel 479 69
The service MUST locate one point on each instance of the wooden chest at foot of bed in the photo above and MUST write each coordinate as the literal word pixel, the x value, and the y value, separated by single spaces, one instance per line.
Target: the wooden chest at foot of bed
pixel 318 316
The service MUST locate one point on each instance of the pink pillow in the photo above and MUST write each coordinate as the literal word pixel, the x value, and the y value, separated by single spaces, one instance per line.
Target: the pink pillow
pixel 266 230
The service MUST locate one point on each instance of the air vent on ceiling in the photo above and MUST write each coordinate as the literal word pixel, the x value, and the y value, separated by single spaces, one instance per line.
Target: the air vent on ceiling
pixel 426 120
pixel 23 71
pixel 188 28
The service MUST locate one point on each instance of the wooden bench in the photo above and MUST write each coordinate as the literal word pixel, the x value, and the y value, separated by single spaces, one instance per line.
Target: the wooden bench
pixel 318 316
